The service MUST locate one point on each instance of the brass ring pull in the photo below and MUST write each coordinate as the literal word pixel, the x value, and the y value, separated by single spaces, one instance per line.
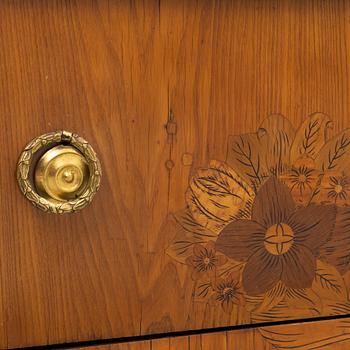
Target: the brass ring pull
pixel 59 172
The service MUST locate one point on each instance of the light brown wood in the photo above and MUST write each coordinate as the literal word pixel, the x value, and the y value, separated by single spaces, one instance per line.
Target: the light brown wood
pixel 141 345
pixel 214 341
pixel 325 335
pixel 195 342
pixel 161 344
pixel 157 88
pixel 179 343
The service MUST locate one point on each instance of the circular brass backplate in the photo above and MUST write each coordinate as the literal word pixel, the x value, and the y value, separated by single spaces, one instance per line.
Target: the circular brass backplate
pixel 66 176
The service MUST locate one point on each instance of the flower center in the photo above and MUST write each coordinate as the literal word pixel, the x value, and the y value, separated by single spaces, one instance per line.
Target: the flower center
pixel 302 178
pixel 227 291
pixel 338 188
pixel 206 261
pixel 279 239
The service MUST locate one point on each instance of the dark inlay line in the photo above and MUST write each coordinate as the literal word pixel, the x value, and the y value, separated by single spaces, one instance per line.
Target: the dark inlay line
pixel 111 341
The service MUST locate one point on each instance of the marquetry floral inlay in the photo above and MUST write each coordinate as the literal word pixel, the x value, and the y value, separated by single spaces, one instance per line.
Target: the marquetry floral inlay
pixel 280 242
pixel 267 230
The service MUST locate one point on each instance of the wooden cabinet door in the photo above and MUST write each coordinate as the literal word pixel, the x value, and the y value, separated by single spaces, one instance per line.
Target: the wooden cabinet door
pixel 222 130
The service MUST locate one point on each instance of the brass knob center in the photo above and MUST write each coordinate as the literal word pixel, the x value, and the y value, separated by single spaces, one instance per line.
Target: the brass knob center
pixel 62 173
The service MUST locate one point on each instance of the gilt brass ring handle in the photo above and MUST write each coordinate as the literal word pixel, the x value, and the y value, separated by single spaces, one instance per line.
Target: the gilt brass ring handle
pixel 59 172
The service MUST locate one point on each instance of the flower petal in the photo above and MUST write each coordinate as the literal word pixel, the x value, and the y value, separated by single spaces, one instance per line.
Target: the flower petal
pixel 313 225
pixel 240 239
pixel 273 203
pixel 196 275
pixel 227 306
pixel 235 276
pixel 214 299
pixel 336 251
pixel 261 273
pixel 199 250
pixel 221 260
pixel 239 299
pixel 191 261
pixel 299 266
pixel 210 246
pixel 217 285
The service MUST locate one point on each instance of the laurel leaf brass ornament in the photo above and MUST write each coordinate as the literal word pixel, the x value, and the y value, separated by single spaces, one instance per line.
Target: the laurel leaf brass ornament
pixel 59 172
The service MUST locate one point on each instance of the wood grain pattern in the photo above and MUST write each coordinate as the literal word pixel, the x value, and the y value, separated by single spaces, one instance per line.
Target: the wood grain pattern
pixel 141 345
pixel 325 335
pixel 156 87
pixel 266 232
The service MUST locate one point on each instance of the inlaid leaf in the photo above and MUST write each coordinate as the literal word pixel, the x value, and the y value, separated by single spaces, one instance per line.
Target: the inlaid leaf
pixel 328 283
pixel 246 154
pixel 303 299
pixel 289 304
pixel 310 137
pixel 335 154
pixel 192 228
pixel 282 311
pixel 272 298
pixel 279 135
pixel 337 250
pixel 299 337
pixel 339 308
pixel 230 267
pixel 217 196
pixel 187 232
pixel 253 302
pixel 203 291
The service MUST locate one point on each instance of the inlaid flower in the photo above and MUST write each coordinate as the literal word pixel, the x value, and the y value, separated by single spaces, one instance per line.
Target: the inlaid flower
pixel 228 292
pixel 205 260
pixel 335 189
pixel 338 188
pixel 301 179
pixel 280 242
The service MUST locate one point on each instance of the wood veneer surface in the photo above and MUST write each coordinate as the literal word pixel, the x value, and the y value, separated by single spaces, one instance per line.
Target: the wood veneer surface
pixel 325 335
pixel 156 87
